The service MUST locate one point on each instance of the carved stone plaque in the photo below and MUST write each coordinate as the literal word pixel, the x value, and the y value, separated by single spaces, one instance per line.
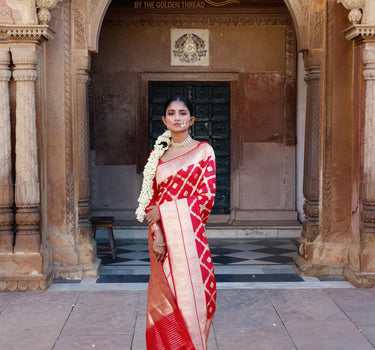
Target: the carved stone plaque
pixel 190 47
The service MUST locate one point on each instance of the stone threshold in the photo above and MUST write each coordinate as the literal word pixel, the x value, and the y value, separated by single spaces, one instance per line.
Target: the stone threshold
pixel 227 231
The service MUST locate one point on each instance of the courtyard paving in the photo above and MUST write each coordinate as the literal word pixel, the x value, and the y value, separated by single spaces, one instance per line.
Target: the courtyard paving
pixel 246 319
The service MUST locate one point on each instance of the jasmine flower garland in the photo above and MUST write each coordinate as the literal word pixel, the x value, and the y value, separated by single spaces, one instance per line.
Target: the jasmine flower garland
pixel 161 145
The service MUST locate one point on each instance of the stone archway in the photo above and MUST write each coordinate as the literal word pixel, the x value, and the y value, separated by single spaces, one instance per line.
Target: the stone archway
pixel 250 22
pixel 313 58
pixel 297 8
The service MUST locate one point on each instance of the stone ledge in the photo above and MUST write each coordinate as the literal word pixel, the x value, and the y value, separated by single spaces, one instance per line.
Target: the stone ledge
pixel 318 270
pixel 363 30
pixel 20 33
pixel 22 283
pixel 359 280
pixel 77 271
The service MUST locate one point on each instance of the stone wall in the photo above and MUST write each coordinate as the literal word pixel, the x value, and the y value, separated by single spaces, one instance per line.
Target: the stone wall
pixel 259 49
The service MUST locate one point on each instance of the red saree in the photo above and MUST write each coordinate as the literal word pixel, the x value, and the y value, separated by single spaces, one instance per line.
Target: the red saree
pixel 182 290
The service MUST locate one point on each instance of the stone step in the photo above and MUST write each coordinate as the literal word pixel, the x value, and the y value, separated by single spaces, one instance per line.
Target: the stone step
pixel 255 231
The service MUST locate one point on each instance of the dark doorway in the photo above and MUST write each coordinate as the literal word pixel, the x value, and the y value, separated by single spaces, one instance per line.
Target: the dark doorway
pixel 211 101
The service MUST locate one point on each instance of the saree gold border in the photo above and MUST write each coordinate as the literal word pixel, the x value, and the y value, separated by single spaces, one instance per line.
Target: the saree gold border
pixel 185 262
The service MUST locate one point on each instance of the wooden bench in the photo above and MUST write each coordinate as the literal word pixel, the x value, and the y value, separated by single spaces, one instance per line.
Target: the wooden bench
pixel 106 222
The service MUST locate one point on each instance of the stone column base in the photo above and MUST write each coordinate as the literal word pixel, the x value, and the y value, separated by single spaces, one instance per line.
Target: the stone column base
pixel 21 264
pixel 23 283
pixel 77 271
pixel 318 270
pixel 359 280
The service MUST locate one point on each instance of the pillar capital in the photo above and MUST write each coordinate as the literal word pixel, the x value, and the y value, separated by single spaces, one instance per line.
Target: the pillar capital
pixel 25 75
pixel 312 60
pixel 82 60
pixel 4 57
pixel 368 58
pixel 24 55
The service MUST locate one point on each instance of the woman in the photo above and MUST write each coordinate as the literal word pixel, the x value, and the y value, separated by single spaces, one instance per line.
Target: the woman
pixel 177 196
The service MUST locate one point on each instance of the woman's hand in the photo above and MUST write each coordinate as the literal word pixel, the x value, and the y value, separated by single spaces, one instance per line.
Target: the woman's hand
pixel 153 215
pixel 159 248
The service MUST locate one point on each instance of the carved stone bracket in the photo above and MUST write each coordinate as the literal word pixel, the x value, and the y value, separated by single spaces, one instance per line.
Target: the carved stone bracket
pixel 44 6
pixel 355 7
pixel 363 27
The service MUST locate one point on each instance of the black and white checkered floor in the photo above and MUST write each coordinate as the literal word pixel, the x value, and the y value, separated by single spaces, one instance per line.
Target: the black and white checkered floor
pixel 224 252
pixel 238 263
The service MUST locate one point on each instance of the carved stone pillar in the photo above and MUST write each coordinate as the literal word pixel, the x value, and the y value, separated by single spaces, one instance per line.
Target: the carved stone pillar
pixel 27 198
pixel 6 183
pixel 85 241
pixel 311 162
pixel 368 178
pixel 364 32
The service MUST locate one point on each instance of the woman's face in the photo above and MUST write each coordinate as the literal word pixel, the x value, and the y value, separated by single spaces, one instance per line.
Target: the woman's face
pixel 177 117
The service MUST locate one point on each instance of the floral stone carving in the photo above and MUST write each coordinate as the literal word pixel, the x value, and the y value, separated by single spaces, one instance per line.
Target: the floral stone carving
pixel 355 6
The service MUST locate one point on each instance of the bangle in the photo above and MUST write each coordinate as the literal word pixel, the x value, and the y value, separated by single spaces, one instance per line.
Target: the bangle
pixel 159 244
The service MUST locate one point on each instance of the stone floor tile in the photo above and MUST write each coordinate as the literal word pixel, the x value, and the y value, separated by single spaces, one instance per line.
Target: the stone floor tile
pixel 356 297
pixel 5 299
pixel 26 342
pixel 211 342
pixel 271 340
pixel 369 333
pixel 34 326
pixel 103 312
pixel 357 304
pixel 242 311
pixel 94 342
pixel 327 335
pixel 43 298
pixel 309 304
pixel 139 340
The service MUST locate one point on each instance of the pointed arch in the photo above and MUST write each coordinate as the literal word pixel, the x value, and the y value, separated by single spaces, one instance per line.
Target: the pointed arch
pixel 299 11
pixel 95 17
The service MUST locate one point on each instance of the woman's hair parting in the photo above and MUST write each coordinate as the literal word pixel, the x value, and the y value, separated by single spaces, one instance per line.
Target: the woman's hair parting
pixel 181 98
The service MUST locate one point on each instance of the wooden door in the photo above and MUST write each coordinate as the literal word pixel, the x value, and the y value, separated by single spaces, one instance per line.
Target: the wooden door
pixel 211 101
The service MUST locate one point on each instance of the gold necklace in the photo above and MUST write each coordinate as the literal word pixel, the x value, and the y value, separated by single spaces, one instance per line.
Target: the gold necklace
pixel 181 144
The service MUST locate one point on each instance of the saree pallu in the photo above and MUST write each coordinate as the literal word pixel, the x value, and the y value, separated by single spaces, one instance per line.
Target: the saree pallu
pixel 181 297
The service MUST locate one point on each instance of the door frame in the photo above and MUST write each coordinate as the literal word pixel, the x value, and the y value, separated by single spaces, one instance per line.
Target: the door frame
pixel 235 142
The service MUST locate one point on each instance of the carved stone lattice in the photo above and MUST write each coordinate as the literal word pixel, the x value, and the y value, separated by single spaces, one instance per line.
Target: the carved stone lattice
pixel 79 29
pixel 290 86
